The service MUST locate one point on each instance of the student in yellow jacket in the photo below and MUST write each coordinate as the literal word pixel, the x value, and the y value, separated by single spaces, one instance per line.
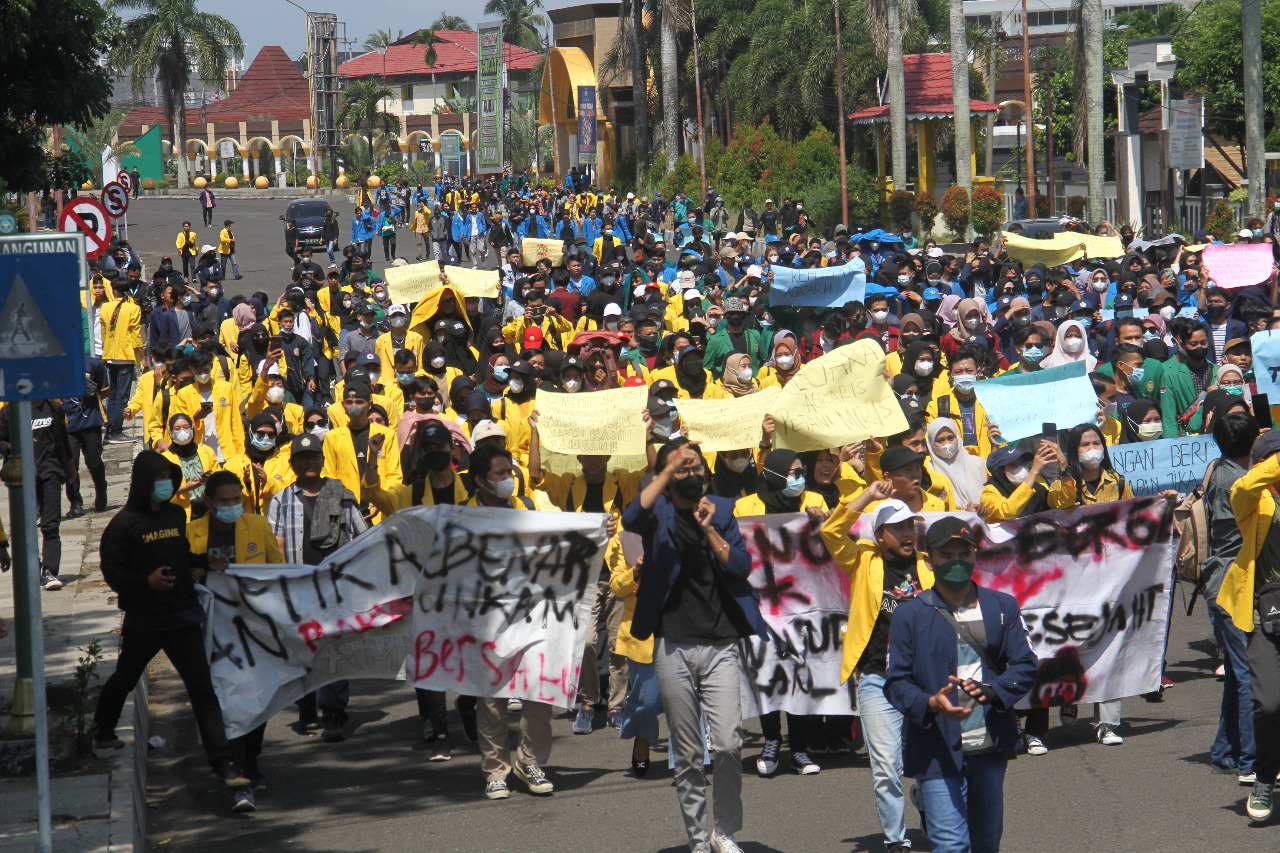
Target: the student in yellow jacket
pixel 960 403
pixel 1016 487
pixel 197 462
pixel 269 391
pixel 348 449
pixel 149 384
pixel 429 456
pixel 883 573
pixel 263 467
pixel 207 396
pixel 242 537
pixel 399 338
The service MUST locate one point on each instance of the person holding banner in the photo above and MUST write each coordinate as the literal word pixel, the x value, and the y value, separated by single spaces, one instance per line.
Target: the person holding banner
pixel 961 405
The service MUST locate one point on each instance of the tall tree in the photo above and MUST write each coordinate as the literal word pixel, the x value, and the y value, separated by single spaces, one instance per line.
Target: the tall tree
pixel 960 97
pixel 167 39
pixel 382 39
pixel 362 113
pixel 521 22
pixel 446 21
pixel 1255 149
pixel 633 23
pixel 670 84
pixel 886 22
pixel 1090 51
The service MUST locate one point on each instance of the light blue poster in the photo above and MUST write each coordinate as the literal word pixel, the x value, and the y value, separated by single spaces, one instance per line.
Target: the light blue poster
pixel 1166 463
pixel 1266 363
pixel 1020 403
pixel 820 287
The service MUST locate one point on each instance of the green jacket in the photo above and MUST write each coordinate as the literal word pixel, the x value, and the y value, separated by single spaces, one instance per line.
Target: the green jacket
pixel 1177 393
pixel 719 346
pixel 1149 388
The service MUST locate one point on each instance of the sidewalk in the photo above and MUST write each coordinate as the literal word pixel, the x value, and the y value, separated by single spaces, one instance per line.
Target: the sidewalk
pixel 99 806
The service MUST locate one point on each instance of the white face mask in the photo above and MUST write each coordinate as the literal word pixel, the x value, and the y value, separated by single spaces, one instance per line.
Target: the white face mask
pixel 516 385
pixel 947 451
pixel 924 368
pixel 183 436
pixel 572 384
pixel 1092 457
pixel 504 489
pixel 373 377
pixel 785 362
pixel 739 464
pixel 1101 286
pixel 437 362
pixel 203 378
pixel 1168 312
pixel 1017 475
pixel 1073 345
pixel 275 394
pixel 971 323
pixel 879 316
pixel 319 431
pixel 744 374
pixel 1147 432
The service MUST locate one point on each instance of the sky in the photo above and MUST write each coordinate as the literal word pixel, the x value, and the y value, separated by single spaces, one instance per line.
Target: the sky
pixel 264 22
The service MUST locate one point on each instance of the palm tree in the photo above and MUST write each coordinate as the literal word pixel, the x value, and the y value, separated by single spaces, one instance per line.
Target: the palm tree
pixel 445 21
pixel 1089 96
pixel 167 39
pixel 886 24
pixel 670 83
pixel 632 14
pixel 520 21
pixel 960 97
pixel 99 135
pixel 362 112
pixel 382 39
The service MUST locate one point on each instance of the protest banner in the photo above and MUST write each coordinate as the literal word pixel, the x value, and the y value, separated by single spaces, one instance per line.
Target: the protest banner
pixel 820 287
pixel 407 284
pixel 1021 403
pixel 804 599
pixel 479 283
pixel 1061 248
pixel 840 398
pixel 601 423
pixel 1239 264
pixel 534 249
pixel 1266 362
pixel 1150 467
pixel 1095 587
pixel 486 602
pixel 729 424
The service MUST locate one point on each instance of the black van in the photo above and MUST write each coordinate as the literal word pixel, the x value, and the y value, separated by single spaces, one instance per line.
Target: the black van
pixel 309 214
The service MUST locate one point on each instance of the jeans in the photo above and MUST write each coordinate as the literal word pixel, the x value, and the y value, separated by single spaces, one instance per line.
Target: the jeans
pixel 643 703
pixel 441 250
pixel 703 681
pixel 185 648
pixel 882 727
pixel 1233 746
pixel 121 376
pixel 1264 684
pixel 229 263
pixel 965 813
pixel 329 247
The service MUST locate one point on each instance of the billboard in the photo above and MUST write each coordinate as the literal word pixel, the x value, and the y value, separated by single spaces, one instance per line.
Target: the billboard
pixel 1186 140
pixel 587 125
pixel 489 100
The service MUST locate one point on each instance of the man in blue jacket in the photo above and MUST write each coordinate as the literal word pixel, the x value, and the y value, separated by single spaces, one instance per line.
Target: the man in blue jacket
pixel 959 658
pixel 695 601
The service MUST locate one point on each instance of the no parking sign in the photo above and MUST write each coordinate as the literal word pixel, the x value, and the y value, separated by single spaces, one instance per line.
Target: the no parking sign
pixel 86 215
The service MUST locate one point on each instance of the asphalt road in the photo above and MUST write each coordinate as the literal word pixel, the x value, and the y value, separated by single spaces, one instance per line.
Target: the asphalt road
pixel 154 223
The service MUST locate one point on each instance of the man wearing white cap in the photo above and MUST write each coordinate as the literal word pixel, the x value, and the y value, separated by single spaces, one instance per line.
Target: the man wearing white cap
pixel 884 573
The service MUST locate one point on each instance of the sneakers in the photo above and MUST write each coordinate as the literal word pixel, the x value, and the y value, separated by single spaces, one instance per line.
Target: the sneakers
pixel 308 720
pixel 1259 803
pixel 1068 714
pixel 441 750
pixel 120 439
pixel 1221 671
pixel 1247 778
pixel 1034 745
pixel 802 764
pixel 242 800
pixel 497 790
pixel 615 718
pixel 533 777
pixel 49 580
pixel 259 782
pixel 469 728
pixel 584 721
pixel 109 741
pixel 724 844
pixel 767 763
pixel 515 706
pixel 1107 736
pixel 226 770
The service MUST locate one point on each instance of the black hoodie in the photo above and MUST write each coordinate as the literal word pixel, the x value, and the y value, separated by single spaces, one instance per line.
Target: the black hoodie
pixel 140 540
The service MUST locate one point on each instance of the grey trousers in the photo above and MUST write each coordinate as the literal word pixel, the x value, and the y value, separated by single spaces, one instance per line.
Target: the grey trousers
pixel 607 608
pixel 703 681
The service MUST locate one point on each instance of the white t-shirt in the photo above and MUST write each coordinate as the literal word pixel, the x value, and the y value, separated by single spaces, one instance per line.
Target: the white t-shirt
pixel 211 426
pixel 974 736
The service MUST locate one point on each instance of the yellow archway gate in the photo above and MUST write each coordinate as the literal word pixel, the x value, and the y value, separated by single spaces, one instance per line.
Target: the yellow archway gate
pixel 565 70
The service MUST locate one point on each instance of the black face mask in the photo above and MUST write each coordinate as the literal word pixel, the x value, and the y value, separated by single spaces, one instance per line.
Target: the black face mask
pixel 735 318
pixel 437 460
pixel 1198 354
pixel 1217 310
pixel 691 367
pixel 690 488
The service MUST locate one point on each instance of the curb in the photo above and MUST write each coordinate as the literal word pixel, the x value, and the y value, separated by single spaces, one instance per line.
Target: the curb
pixel 127 825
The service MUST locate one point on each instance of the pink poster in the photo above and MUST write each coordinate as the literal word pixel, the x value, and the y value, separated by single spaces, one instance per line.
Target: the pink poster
pixel 1239 265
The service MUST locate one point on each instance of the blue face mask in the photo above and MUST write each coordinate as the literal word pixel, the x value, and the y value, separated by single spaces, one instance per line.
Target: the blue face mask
pixel 1149 336
pixel 1032 354
pixel 1135 378
pixel 964 383
pixel 1084 321
pixel 163 491
pixel 624 351
pixel 404 378
pixel 262 442
pixel 500 373
pixel 795 486
pixel 228 514
pixel 1124 312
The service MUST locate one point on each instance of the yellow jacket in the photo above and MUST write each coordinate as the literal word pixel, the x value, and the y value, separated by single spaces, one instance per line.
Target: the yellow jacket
pixel 385 349
pixel 226 415
pixel 234 368
pixel 861 561
pixel 162 408
pixel 932 503
pixel 144 395
pixel 421 221
pixel 255 541
pixel 1254 507
pixel 514 418
pixel 121 331
pixel 553 329
pixel 567 491
pixel 392 401
pixel 187 243
pixel 294 415
pixel 749 505
pixel 208 462
pixel 1007 509
pixel 225 238
pixel 984 447
pixel 1062 494
pixel 340 459
pixel 622 583
pixel 397 496
pixel 258 492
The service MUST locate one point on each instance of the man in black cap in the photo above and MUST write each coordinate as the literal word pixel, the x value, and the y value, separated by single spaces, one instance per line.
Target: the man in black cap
pixel 312 518
pixel 959 659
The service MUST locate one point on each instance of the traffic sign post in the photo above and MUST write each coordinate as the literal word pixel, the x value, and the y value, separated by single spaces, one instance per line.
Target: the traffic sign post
pixel 41 356
pixel 87 215
pixel 115 198
pixel 50 242
pixel 125 180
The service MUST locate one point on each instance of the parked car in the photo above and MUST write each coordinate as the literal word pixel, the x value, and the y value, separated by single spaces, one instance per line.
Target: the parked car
pixel 1037 229
pixel 309 215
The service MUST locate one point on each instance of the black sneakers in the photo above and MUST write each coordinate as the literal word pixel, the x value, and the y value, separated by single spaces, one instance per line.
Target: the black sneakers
pixel 49 580
pixel 1259 804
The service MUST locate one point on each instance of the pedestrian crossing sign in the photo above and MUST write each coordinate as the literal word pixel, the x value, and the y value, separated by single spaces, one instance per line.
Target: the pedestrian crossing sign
pixel 42 340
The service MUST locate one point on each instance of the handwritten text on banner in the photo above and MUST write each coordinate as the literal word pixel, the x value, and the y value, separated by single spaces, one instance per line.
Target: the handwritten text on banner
pixel 599 423
pixel 1238 265
pixel 820 287
pixel 1150 467
pixel 1020 403
pixel 407 284
pixel 1266 362
pixel 728 424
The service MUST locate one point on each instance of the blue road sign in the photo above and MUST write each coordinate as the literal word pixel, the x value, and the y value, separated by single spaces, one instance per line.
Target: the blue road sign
pixel 41 329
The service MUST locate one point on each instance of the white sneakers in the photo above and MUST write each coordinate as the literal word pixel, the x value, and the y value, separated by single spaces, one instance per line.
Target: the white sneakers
pixel 724 844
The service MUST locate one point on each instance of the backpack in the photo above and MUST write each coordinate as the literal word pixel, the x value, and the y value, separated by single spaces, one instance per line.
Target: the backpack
pixel 1191 521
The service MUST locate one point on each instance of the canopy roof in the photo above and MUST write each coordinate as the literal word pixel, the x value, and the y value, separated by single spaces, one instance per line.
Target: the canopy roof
pixel 928 78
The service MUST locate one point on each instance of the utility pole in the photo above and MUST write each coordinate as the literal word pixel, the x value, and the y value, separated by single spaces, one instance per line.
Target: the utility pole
pixel 1048 137
pixel 996 35
pixel 1255 151
pixel 1027 116
pixel 844 169
pixel 697 90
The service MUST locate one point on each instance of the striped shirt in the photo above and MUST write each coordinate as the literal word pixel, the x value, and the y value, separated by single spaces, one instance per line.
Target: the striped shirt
pixel 286 518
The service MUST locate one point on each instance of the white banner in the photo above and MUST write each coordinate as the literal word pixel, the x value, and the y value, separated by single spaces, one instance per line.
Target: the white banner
pixel 485 602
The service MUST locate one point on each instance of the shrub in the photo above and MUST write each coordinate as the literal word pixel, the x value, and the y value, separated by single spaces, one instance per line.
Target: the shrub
pixel 686 178
pixel 901 204
pixel 1222 222
pixel 1076 206
pixel 926 211
pixel 1042 206
pixel 955 209
pixel 987 209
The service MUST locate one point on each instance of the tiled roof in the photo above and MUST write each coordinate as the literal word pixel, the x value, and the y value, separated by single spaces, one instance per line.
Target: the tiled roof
pixel 272 87
pixel 455 53
pixel 928 84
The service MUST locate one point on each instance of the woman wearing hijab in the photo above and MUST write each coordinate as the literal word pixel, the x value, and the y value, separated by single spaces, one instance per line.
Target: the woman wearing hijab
pixel 967 473
pixel 600 369
pixel 497 376
pixel 1015 488
pixel 1141 421
pixel 734 473
pixel 197 462
pixel 434 364
pixel 736 377
pixel 919 363
pixel 1230 378
pixel 947 310
pixel 780 489
pixel 492 343
pixel 784 361
pixel 692 379
pixel 253 343
pixel 973 320
pixel 1218 403
pixel 458 352
pixel 911 327
pixel 241 320
pixel 592 319
pixel 512 409
pixel 1070 344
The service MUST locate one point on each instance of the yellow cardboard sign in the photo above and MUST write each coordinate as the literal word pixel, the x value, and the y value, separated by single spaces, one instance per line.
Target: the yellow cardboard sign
pixel 407 284
pixel 837 399
pixel 481 283
pixel 729 424
pixel 594 423
pixel 534 249
pixel 1062 248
